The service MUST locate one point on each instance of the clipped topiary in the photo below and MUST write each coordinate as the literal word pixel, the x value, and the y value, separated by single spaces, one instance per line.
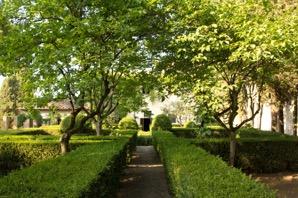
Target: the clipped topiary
pixel 128 123
pixel 36 116
pixel 190 124
pixel 161 122
pixel 21 119
pixel 64 125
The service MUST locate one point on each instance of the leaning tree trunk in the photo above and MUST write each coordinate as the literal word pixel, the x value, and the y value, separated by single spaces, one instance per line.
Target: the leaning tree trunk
pixel 64 143
pixel 232 155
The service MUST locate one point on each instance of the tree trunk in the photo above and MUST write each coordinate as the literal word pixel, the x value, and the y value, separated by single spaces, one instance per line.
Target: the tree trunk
pixel 261 115
pixel 274 121
pixel 295 116
pixel 232 148
pixel 280 119
pixel 99 126
pixel 64 143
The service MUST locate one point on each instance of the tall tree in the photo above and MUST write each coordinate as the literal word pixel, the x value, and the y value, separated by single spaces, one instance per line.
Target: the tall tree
pixel 10 96
pixel 221 47
pixel 81 50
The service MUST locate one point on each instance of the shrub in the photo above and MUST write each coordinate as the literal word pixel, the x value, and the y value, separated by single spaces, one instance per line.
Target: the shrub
pixel 21 119
pixel 161 122
pixel 128 123
pixel 265 155
pixel 64 125
pixel 192 172
pixel 86 172
pixel 190 124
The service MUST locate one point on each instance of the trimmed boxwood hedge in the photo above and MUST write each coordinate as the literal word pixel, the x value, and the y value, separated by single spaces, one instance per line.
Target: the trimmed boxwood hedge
pixel 44 130
pixel 196 132
pixel 184 132
pixel 17 155
pixel 258 155
pixel 192 172
pixel 89 171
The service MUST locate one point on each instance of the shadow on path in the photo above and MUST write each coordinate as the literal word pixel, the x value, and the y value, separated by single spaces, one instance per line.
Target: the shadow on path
pixel 286 183
pixel 144 177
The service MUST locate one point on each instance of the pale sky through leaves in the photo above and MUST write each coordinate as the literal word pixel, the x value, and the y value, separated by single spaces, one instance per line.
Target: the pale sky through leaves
pixel 1 80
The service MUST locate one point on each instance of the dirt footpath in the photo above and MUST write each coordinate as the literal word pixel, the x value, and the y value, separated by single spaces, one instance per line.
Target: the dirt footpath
pixel 285 183
pixel 144 177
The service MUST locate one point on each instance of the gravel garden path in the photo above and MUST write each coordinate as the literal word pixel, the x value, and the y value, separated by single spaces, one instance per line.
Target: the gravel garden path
pixel 286 183
pixel 144 177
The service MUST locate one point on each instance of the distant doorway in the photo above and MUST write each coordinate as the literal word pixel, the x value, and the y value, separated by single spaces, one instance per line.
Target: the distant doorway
pixel 145 122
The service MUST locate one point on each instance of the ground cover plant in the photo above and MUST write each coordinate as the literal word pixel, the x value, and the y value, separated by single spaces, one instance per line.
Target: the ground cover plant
pixel 193 172
pixel 93 169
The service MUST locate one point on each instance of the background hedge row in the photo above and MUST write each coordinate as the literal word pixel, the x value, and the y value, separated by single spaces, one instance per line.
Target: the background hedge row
pixel 89 171
pixel 192 172
pixel 258 155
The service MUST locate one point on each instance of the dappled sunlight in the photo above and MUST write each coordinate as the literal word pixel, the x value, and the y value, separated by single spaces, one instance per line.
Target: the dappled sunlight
pixel 286 183
pixel 145 165
pixel 290 178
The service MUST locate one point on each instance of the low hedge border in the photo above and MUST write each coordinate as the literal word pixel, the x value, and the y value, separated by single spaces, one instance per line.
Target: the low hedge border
pixel 89 171
pixel 18 152
pixel 257 155
pixel 18 155
pixel 184 132
pixel 195 132
pixel 192 172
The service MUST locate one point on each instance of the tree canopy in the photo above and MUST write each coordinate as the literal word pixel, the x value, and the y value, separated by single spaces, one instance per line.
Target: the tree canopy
pixel 87 51
pixel 218 48
pixel 98 54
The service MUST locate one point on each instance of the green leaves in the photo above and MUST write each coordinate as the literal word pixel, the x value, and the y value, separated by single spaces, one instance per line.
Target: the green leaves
pixel 218 48
pixel 89 52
